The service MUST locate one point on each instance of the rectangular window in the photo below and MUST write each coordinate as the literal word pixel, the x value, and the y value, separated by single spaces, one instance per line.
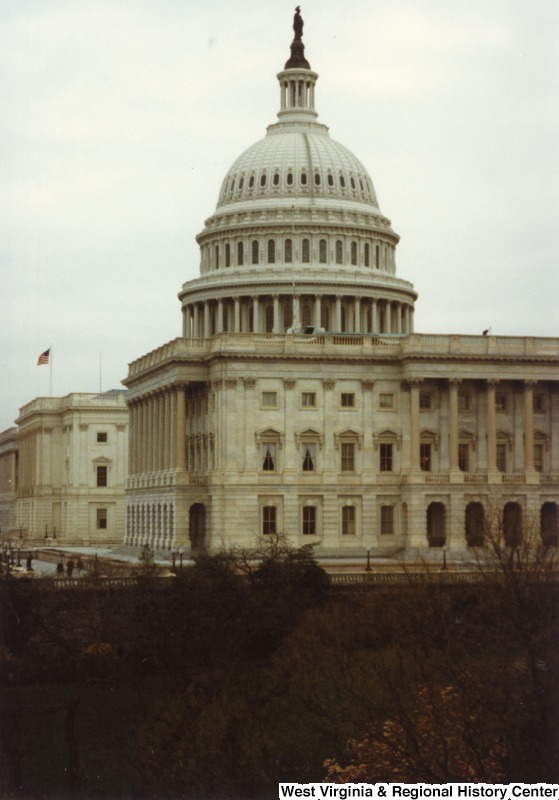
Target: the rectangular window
pixel 501 402
pixel 386 464
pixel 102 519
pixel 539 404
pixel 268 457
pixel 425 457
pixel 464 457
pixel 101 476
pixel 538 457
pixel 386 400
pixel 308 400
pixel 308 457
pixel 101 436
pixel 269 520
pixel 464 402
pixel 425 401
pixel 348 457
pixel 501 456
pixel 270 399
pixel 348 400
pixel 387 520
pixel 309 520
pixel 348 520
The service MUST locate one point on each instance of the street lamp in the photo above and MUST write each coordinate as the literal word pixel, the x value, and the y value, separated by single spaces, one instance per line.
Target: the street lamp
pixel 368 567
pixel 444 566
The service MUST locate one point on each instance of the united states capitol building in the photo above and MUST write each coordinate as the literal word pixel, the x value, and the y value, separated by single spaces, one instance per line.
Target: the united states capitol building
pixel 300 400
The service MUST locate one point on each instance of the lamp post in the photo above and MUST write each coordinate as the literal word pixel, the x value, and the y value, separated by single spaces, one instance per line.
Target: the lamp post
pixel 444 566
pixel 181 551
pixel 368 567
pixel 174 567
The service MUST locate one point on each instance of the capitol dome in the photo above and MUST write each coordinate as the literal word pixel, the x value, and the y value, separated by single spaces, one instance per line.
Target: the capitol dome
pixel 297 236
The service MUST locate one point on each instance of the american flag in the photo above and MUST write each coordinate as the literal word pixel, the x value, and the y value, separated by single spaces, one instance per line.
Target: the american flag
pixel 44 357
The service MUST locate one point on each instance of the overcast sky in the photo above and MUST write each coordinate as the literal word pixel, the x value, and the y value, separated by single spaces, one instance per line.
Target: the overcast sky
pixel 121 117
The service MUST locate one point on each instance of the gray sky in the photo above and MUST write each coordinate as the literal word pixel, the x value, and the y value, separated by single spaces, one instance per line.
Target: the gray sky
pixel 121 117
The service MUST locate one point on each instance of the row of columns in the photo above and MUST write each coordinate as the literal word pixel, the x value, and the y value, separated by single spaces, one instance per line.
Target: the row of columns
pixel 491 424
pixel 264 314
pixel 157 431
pixel 150 523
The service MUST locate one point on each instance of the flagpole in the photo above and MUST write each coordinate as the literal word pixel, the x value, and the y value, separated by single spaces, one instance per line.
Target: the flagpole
pixel 50 368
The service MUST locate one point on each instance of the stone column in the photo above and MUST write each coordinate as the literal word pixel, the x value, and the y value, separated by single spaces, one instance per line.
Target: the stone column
pixel 491 427
pixel 143 435
pixel 529 427
pixel 255 314
pixel 388 316
pixel 219 319
pixel 296 309
pixel 317 311
pixel 161 431
pixel 276 326
pixel 207 318
pixel 357 314
pixel 196 321
pixel 338 314
pixel 453 385
pixel 149 434
pixel 237 314
pixel 181 429
pixel 414 384
pixel 374 316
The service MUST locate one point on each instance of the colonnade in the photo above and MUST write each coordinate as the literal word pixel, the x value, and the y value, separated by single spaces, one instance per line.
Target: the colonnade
pixel 150 523
pixel 261 313
pixel 157 431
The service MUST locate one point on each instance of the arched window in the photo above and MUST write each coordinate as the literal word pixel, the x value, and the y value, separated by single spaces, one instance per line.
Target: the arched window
pixel 342 181
pixel 475 524
pixel 251 182
pixel 276 179
pixel 306 251
pixel 366 254
pixel 436 525
pixel 216 257
pixel 227 255
pixel 288 251
pixel 549 525
pixel 241 183
pixel 263 179
pixel 377 256
pixel 255 251
pixel 339 252
pixel 317 178
pixel 512 524
pixel 303 178
pixel 322 251
pixel 354 254
pixel 352 182
pixel 232 185
pixel 240 254
pixel 271 251
pixel 289 179
pixel 330 179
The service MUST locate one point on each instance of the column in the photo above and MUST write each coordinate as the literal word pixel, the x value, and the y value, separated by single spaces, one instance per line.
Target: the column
pixel 357 314
pixel 160 431
pixel 276 327
pixel 255 314
pixel 181 428
pixel 338 314
pixel 453 385
pixel 414 424
pixel 374 316
pixel 196 321
pixel 143 439
pixel 388 316
pixel 529 426
pixel 237 323
pixel 317 311
pixel 219 319
pixel 207 319
pixel 491 427
pixel 296 309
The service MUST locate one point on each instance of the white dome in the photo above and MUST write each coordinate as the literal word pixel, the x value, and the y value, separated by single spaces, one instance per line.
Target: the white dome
pixel 292 163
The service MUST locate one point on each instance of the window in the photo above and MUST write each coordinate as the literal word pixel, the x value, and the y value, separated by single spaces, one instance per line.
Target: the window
pixel 255 252
pixel 339 252
pixel 386 400
pixel 271 251
pixel 464 402
pixel 228 255
pixel 308 399
pixel 309 520
pixel 322 251
pixel 501 456
pixel 387 520
pixel 303 178
pixel 354 254
pixel 102 519
pixel 348 457
pixel 270 399
pixel 306 251
pixel 240 254
pixel 367 255
pixel 538 457
pixel 102 436
pixel 348 520
pixel 269 520
pixel 288 251
pixel 425 401
pixel 217 256
pixel 276 179
pixel 290 179
pixel 268 457
pixel 263 180
pixel 464 457
pixel 317 178
pixel 251 182
pixel 347 400
pixel 539 404
pixel 386 457
pixel 501 401
pixel 425 457
pixel 102 475
pixel 352 182
pixel 308 457
pixel 330 179
pixel 342 181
